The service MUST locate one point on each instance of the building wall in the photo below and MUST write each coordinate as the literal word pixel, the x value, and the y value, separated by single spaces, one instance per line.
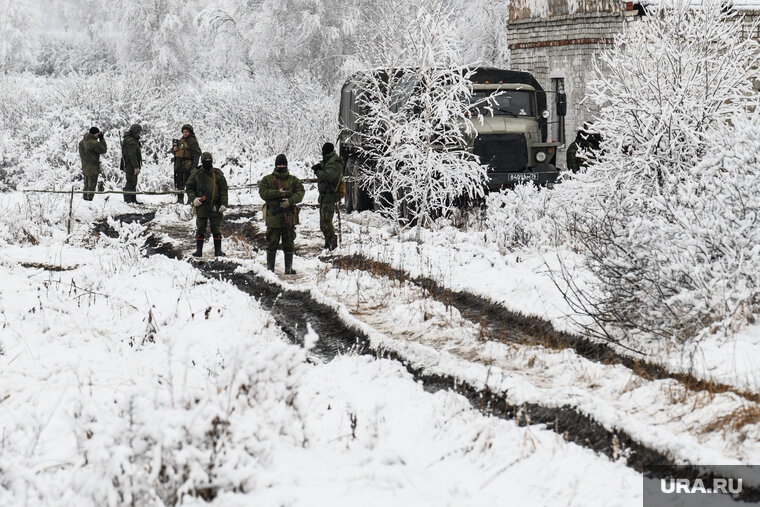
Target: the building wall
pixel 562 47
pixel 556 39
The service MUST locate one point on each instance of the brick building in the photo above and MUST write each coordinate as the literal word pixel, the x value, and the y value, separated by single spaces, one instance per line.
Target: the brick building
pixel 555 40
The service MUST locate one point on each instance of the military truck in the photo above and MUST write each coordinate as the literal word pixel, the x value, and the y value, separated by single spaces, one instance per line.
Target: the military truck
pixel 509 114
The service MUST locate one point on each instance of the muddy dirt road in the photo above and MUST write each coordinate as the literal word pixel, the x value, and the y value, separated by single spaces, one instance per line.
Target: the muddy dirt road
pixel 353 304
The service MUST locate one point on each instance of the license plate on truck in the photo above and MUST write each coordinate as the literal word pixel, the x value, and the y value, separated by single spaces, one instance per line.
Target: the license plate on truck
pixel 522 176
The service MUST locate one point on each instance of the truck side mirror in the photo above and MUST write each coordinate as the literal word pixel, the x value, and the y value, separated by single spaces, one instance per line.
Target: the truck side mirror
pixel 561 104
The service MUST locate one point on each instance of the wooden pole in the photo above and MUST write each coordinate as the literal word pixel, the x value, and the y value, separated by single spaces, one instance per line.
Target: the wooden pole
pixel 71 212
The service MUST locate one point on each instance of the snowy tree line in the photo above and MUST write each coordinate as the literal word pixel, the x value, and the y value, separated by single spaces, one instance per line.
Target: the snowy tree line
pixel 171 41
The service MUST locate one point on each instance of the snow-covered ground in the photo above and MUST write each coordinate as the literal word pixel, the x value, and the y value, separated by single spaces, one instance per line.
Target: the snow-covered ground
pixel 519 281
pixel 131 378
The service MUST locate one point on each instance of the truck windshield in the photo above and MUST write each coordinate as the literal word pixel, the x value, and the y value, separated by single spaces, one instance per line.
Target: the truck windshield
pixel 502 102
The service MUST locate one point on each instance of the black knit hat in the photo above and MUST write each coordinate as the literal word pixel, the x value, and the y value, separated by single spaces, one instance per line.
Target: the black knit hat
pixel 281 160
pixel 94 130
pixel 327 148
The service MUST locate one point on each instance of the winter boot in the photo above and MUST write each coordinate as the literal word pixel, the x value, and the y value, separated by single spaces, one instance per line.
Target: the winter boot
pixel 271 256
pixel 289 264
pixel 332 243
pixel 181 198
pixel 198 248
pixel 327 244
pixel 218 247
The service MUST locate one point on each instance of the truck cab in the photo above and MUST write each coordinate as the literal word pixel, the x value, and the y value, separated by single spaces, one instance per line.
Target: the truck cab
pixel 509 113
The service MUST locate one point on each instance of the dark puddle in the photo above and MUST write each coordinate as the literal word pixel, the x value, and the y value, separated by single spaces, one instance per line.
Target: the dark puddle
pixel 48 267
pixel 101 226
pixel 500 324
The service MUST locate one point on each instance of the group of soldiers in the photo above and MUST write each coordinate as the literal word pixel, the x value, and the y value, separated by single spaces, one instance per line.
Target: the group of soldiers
pixel 206 189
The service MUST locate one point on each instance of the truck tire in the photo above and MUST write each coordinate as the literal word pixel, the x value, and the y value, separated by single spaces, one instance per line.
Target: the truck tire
pixel 357 198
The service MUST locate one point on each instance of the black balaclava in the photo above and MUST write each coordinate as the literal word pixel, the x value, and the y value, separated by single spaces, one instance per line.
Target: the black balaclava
pixel 281 160
pixel 207 160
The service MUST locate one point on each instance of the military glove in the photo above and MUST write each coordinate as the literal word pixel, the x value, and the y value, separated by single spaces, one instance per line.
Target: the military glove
pixel 222 208
pixel 197 202
pixel 285 193
pixel 316 167
pixel 284 203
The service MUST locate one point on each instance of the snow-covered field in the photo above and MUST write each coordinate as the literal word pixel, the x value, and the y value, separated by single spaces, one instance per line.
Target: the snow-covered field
pixel 129 378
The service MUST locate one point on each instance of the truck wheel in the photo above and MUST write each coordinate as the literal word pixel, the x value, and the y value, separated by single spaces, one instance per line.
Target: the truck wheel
pixel 350 185
pixel 357 198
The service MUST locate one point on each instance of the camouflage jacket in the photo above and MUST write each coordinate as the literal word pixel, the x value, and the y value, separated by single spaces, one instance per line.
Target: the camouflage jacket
pixel 328 177
pixel 90 150
pixel 274 216
pixel 210 184
pixel 131 152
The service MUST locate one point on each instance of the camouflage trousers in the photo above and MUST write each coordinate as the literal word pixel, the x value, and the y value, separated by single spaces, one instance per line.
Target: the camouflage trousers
pixel 130 185
pixel 181 173
pixel 288 236
pixel 90 183
pixel 326 213
pixel 216 224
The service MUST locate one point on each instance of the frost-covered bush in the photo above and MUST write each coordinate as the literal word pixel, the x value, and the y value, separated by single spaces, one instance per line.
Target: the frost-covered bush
pixel 666 214
pixel 518 218
pixel 160 448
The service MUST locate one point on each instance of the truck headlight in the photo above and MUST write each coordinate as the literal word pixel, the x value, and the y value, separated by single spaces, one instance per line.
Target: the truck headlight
pixel 540 156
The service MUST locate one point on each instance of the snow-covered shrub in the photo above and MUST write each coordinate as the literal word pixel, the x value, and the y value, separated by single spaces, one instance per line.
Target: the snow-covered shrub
pixel 160 448
pixel 518 218
pixel 33 217
pixel 664 214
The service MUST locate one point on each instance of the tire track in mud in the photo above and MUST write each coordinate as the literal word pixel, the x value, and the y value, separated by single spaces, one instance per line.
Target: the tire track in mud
pixel 498 323
pixel 503 325
pixel 293 309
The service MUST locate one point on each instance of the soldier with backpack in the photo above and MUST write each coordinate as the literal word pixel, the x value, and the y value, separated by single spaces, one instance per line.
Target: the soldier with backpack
pixel 329 175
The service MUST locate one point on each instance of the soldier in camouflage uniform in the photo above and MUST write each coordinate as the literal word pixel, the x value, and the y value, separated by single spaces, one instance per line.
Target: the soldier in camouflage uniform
pixel 90 149
pixel 329 174
pixel 207 192
pixel 131 160
pixel 281 191
pixel 588 142
pixel 187 154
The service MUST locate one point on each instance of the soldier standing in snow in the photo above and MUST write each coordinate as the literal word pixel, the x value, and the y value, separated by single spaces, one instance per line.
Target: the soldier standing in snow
pixel 586 141
pixel 187 154
pixel 281 191
pixel 131 160
pixel 207 192
pixel 90 149
pixel 329 175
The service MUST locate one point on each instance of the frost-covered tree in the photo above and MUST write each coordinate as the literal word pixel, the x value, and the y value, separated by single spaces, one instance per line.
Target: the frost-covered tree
pixel 483 32
pixel 666 214
pixel 160 37
pixel 415 122
pixel 295 37
pixel 15 44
